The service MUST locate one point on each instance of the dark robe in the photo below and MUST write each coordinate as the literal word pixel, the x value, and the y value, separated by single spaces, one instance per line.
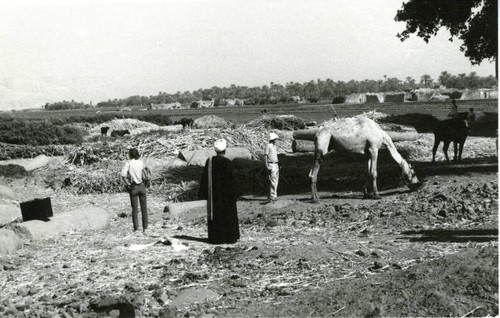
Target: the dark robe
pixel 223 218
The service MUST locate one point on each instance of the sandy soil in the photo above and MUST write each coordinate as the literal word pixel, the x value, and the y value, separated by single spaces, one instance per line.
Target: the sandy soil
pixel 433 252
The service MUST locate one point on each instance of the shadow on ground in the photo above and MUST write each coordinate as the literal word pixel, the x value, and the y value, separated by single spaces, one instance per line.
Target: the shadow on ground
pixel 337 174
pixel 452 236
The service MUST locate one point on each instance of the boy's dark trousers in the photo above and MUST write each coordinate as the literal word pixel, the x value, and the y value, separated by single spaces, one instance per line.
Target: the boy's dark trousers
pixel 138 195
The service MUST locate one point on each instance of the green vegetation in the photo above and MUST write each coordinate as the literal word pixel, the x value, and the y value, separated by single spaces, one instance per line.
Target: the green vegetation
pixel 475 22
pixel 58 131
pixel 66 105
pixel 82 116
pixel 37 133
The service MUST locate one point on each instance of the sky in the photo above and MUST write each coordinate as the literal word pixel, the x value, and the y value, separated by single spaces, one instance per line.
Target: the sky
pixel 93 50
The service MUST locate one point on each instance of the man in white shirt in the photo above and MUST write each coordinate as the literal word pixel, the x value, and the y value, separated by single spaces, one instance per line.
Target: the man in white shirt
pixel 271 159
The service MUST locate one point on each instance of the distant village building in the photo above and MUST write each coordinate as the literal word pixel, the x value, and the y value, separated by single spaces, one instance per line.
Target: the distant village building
pixel 394 97
pixel 480 93
pixel 175 105
pixel 355 98
pixel 374 98
pixel 227 102
pixel 203 104
pixel 233 102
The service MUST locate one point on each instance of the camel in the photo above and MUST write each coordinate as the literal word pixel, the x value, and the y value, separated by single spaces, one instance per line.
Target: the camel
pixel 454 129
pixel 361 136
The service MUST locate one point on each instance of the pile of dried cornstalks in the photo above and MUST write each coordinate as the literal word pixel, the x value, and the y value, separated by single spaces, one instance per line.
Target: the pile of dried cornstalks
pixel 211 121
pixel 280 122
pixel 161 145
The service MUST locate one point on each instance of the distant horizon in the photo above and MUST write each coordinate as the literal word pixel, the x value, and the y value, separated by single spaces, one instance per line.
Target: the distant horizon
pixel 90 50
pixel 435 79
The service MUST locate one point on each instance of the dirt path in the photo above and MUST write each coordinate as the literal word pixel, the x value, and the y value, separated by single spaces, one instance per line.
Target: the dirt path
pixel 428 253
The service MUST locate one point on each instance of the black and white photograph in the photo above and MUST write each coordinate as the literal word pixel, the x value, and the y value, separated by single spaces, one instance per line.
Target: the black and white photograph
pixel 248 158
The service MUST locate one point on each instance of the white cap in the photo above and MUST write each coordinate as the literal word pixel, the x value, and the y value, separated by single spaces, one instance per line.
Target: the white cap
pixel 273 136
pixel 220 145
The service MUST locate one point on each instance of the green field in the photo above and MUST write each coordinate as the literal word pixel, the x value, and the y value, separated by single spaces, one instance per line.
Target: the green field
pixel 487 108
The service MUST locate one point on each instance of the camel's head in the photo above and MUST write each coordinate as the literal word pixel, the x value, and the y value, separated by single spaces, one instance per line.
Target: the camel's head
pixel 409 175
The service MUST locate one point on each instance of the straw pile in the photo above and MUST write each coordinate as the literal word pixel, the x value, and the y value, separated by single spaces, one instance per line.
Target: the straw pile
pixel 135 126
pixel 373 114
pixel 101 177
pixel 254 139
pixel 91 153
pixel 281 122
pixel 210 121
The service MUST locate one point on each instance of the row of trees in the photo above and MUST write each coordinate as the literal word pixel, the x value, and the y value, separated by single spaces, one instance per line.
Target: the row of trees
pixel 311 91
pixel 67 105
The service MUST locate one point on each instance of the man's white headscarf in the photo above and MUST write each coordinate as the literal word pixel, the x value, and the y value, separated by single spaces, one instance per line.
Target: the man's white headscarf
pixel 220 145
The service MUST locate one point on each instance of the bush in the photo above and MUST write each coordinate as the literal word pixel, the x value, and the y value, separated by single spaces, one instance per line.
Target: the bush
pixel 37 133
pixel 338 100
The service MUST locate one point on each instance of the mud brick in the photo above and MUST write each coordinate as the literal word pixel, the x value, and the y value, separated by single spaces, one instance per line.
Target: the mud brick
pixel 37 209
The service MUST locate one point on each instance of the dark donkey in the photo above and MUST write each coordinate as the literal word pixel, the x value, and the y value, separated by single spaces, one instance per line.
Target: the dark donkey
pixel 455 129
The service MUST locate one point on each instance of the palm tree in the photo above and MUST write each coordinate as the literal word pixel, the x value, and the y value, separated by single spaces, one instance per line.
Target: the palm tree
pixel 426 80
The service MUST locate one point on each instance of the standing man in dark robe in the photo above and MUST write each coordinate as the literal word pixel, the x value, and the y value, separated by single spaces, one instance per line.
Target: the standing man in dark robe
pixel 218 187
pixel 453 109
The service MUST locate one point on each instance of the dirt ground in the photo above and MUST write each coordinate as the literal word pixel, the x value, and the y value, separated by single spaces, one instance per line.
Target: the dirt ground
pixel 433 252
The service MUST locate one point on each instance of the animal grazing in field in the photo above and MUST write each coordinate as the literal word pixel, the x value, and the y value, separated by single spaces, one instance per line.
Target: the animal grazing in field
pixel 359 136
pixel 186 123
pixel 120 133
pixel 453 130
pixel 104 131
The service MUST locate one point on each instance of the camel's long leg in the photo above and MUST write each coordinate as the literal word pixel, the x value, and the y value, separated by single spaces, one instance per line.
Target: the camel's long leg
pixel 321 142
pixel 446 144
pixel 373 172
pixel 367 189
pixel 313 174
